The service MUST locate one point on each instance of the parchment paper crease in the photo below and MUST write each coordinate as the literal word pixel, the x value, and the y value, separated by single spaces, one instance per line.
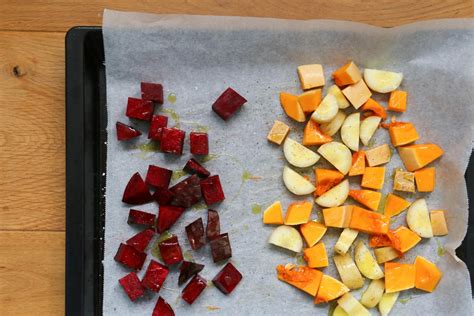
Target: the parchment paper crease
pixel 198 57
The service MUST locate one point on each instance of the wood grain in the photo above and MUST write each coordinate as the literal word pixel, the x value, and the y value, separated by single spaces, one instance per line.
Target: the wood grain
pixel 61 15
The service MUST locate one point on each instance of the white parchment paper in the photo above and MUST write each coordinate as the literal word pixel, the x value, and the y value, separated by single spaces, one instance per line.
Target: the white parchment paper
pixel 196 58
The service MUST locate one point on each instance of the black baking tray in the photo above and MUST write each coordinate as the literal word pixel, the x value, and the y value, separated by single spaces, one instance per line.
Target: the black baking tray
pixel 86 120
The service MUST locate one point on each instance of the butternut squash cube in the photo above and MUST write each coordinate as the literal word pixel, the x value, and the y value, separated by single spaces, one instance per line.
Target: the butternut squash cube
pixel 394 205
pixel 373 178
pixel 375 108
pixel 310 100
pixel 316 256
pixel 304 278
pixel 326 179
pixel 378 155
pixel 330 289
pixel 312 135
pixel 417 156
pixel 376 241
pixel 298 213
pixel 358 163
pixel 313 232
pixel 403 239
pixel 369 222
pixel 368 198
pixel 347 74
pixel 311 76
pixel 339 217
pixel 427 274
pixel 404 181
pixel 399 276
pixel 402 133
pixel 398 101
pixel 425 179
pixel 292 107
pixel 273 214
pixel 357 93
pixel 438 223
pixel 278 132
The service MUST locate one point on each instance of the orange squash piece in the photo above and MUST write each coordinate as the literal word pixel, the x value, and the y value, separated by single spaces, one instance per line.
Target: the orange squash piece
pixel 358 163
pixel 402 133
pixel 397 101
pixel 375 107
pixel 312 135
pixel 369 222
pixel 376 241
pixel 330 289
pixel 316 256
pixel 347 74
pixel 273 214
pixel 311 76
pixel 298 213
pixel 368 198
pixel 399 276
pixel 309 100
pixel 394 205
pixel 313 232
pixel 417 156
pixel 303 278
pixel 427 275
pixel 403 239
pixel 438 223
pixel 425 179
pixel 326 179
pixel 278 132
pixel 292 108
pixel 373 178
pixel 339 217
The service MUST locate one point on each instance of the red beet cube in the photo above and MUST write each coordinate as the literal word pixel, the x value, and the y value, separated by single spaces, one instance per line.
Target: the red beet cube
pixel 194 167
pixel 139 109
pixel 141 240
pixel 125 132
pixel 132 286
pixel 156 126
pixel 152 92
pixel 141 218
pixel 187 270
pixel 155 276
pixel 162 308
pixel 195 232
pixel 212 190
pixel 171 251
pixel 130 257
pixel 167 216
pixel 228 103
pixel 193 289
pixel 227 279
pixel 213 228
pixel 158 177
pixel 199 143
pixel 136 191
pixel 172 140
pixel 220 247
pixel 187 192
pixel 163 196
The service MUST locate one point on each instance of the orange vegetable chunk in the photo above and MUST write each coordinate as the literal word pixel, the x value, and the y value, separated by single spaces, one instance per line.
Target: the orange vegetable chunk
pixel 347 74
pixel 417 156
pixel 403 239
pixel 438 223
pixel 326 179
pixel 330 289
pixel 373 178
pixel 273 214
pixel 358 163
pixel 303 278
pixel 369 222
pixel 278 132
pixel 313 232
pixel 338 216
pixel 368 198
pixel 398 101
pixel 298 213
pixel 376 241
pixel 311 76
pixel 394 205
pixel 427 275
pixel 399 276
pixel 425 179
pixel 316 256
pixel 402 133
pixel 292 108
pixel 310 100
pixel 312 135
pixel 375 107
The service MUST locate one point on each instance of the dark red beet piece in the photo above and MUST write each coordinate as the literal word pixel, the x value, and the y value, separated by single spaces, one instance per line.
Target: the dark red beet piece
pixel 193 289
pixel 132 286
pixel 163 196
pixel 195 232
pixel 213 228
pixel 162 308
pixel 141 240
pixel 156 126
pixel 126 132
pixel 152 92
pixel 220 247
pixel 194 167
pixel 199 143
pixel 170 251
pixel 141 218
pixel 172 140
pixel 155 276
pixel 227 279
pixel 139 109
pixel 228 103
pixel 136 191
pixel 187 270
pixel 187 192
pixel 167 216
pixel 130 257
pixel 212 190
pixel 158 177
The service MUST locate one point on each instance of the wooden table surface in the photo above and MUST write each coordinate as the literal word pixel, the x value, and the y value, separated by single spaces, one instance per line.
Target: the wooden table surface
pixel 32 116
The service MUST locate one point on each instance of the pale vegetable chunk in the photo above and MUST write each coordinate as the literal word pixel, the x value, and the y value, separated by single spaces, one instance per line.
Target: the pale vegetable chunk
pixel 368 127
pixel 350 131
pixel 335 196
pixel 326 111
pixel 311 76
pixel 357 93
pixel 338 311
pixel 352 306
pixel 387 302
pixel 418 219
pixel 366 263
pixel 278 132
pixel 295 183
pixel 345 240
pixel 385 254
pixel 378 155
pixel 298 155
pixel 438 223
pixel 404 181
pixel 338 155
pixel 348 271
pixel 333 127
pixel 286 237
pixel 373 294
pixel 341 99
pixel 382 81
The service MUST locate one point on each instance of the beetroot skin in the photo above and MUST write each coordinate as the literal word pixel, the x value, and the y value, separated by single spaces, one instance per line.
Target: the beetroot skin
pixel 155 276
pixel 195 233
pixel 194 167
pixel 172 140
pixel 132 286
pixel 156 126
pixel 187 270
pixel 158 177
pixel 141 240
pixel 139 109
pixel 228 103
pixel 136 191
pixel 162 308
pixel 213 228
pixel 212 190
pixel 193 289
pixel 199 143
pixel 167 216
pixel 227 279
pixel 126 132
pixel 130 257
pixel 170 251
pixel 163 196
pixel 152 92
pixel 220 247
pixel 141 218
pixel 187 192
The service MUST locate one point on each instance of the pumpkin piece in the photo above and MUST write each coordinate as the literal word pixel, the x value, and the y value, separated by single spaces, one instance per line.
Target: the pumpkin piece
pixel 311 76
pixel 427 275
pixel 347 74
pixel 375 108
pixel 330 289
pixel 291 106
pixel 376 241
pixel 368 198
pixel 369 222
pixel 438 223
pixel 312 232
pixel 316 256
pixel 403 239
pixel 298 213
pixel 402 133
pixel 358 163
pixel 397 101
pixel 310 100
pixel 304 278
pixel 404 181
pixel 357 93
pixel 378 155
pixel 425 179
pixel 399 276
pixel 273 214
pixel 394 205
pixel 339 217
pixel 278 132
pixel 417 156
pixel 373 178
pixel 312 135
pixel 326 179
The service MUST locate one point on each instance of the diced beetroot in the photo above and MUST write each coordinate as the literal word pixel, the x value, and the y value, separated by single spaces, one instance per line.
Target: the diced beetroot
pixel 167 216
pixel 152 92
pixel 163 196
pixel 158 177
pixel 193 289
pixel 171 251
pixel 141 218
pixel 126 132
pixel 130 257
pixel 155 276
pixel 156 126
pixel 212 190
pixel 228 103
pixel 136 191
pixel 213 228
pixel 141 240
pixel 194 167
pixel 220 247
pixel 187 192
pixel 227 279
pixel 187 270
pixel 195 232
pixel 199 143
pixel 139 109
pixel 132 286
pixel 172 140
pixel 162 308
